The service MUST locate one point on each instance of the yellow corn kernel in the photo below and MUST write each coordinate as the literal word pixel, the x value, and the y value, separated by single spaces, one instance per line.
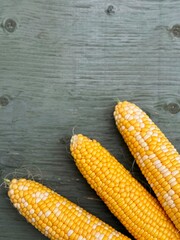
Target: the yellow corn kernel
pixel 55 216
pixel 126 198
pixel 154 146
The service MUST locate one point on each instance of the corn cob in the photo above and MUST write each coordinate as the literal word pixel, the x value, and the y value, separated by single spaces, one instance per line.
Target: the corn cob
pixel 126 198
pixel 156 156
pixel 55 216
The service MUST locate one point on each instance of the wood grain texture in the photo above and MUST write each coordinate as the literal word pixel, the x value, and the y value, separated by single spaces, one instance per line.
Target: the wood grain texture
pixel 62 70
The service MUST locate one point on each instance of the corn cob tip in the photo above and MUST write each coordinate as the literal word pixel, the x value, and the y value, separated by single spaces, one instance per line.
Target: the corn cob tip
pixel 76 140
pixel 73 141
pixel 119 103
pixel 12 184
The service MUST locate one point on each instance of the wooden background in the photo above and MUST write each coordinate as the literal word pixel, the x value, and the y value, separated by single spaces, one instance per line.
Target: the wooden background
pixel 63 65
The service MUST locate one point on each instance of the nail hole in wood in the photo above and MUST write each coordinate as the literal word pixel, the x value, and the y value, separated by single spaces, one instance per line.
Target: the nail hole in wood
pixel 4 101
pixel 110 10
pixel 176 30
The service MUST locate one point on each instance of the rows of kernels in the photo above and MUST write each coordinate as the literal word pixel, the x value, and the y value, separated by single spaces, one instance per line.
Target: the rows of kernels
pixel 56 217
pixel 138 211
pixel 156 156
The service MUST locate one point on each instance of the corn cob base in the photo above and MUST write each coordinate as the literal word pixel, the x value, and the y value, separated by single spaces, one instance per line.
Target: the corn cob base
pixel 55 216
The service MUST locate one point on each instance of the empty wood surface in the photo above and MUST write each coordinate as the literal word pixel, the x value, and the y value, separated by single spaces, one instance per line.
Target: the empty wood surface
pixel 63 66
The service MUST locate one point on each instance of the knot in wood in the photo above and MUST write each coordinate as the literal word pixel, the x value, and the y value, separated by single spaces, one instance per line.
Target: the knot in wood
pixel 176 30
pixel 10 25
pixel 173 108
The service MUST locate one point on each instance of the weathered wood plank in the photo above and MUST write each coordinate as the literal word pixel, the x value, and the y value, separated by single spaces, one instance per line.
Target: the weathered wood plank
pixel 62 68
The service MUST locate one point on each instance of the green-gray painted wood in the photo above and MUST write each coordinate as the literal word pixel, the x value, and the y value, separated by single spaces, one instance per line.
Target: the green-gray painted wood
pixel 63 65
